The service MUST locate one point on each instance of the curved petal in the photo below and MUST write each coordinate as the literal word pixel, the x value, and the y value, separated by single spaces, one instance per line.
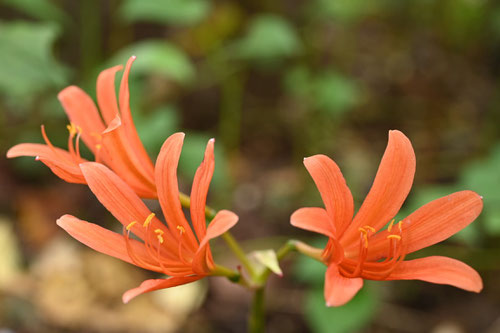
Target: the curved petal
pixel 106 93
pixel 222 222
pixel 58 160
pixel 440 270
pixel 155 284
pixel 133 140
pixel 334 191
pixel 338 289
pixel 168 189
pixel 313 219
pixel 121 200
pixel 432 223
pixel 82 111
pixel 199 190
pixel 120 158
pixel 390 188
pixel 106 241
pixel 68 173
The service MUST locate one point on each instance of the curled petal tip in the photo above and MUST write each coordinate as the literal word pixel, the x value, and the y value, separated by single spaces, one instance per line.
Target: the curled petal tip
pixel 211 140
pixel 133 57
pixel 37 158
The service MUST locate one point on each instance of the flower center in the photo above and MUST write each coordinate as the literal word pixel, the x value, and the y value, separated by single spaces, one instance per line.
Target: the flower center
pixel 159 254
pixel 375 270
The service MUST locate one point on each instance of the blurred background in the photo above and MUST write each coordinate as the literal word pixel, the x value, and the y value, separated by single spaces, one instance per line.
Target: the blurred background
pixel 273 82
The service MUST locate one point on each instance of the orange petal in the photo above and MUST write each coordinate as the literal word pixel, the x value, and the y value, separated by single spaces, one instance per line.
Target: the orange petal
pixel 82 111
pixel 222 222
pixel 106 93
pixel 58 160
pixel 121 159
pixel 155 284
pixel 440 270
pixel 338 289
pixel 313 219
pixel 168 189
pixel 133 140
pixel 432 223
pixel 70 174
pixel 334 191
pixel 121 200
pixel 43 151
pixel 389 190
pixel 199 190
pixel 104 240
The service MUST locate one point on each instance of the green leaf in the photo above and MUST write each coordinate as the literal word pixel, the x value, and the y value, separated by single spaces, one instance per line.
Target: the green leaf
pixel 483 177
pixel 330 92
pixel 178 12
pixel 269 37
pixel 155 127
pixel 348 318
pixel 27 65
pixel 40 9
pixel 334 93
pixel 157 57
pixel 268 259
pixel 343 10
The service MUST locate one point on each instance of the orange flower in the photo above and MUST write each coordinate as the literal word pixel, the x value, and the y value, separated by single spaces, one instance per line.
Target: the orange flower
pixel 357 248
pixel 174 249
pixel 110 135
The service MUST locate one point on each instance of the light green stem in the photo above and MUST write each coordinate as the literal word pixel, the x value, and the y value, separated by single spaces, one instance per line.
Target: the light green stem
pixel 238 251
pixel 256 321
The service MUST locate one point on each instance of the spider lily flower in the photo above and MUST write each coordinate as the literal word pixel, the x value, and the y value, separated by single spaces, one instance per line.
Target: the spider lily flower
pixel 359 249
pixel 109 134
pixel 175 249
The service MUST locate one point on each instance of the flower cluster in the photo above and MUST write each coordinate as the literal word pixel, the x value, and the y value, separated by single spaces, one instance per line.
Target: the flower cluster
pixel 368 245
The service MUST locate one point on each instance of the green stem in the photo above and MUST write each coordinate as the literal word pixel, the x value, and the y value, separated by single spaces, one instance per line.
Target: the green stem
pixel 238 251
pixel 256 322
pixel 229 273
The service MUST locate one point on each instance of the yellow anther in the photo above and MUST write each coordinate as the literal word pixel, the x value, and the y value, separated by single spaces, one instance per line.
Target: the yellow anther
pixel 131 224
pixel 159 234
pixel 365 235
pixel 394 237
pixel 71 129
pixel 390 225
pixel 372 229
pixel 148 220
pixel 98 146
pixel 400 225
pixel 79 129
pixel 181 229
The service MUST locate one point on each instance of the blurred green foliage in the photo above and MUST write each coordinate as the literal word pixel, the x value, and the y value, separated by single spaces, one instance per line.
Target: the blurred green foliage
pixel 175 12
pixel 157 58
pixel 268 38
pixel 27 66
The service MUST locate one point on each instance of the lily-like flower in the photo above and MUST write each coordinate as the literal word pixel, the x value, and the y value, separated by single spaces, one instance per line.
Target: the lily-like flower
pixel 358 249
pixel 175 249
pixel 109 134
